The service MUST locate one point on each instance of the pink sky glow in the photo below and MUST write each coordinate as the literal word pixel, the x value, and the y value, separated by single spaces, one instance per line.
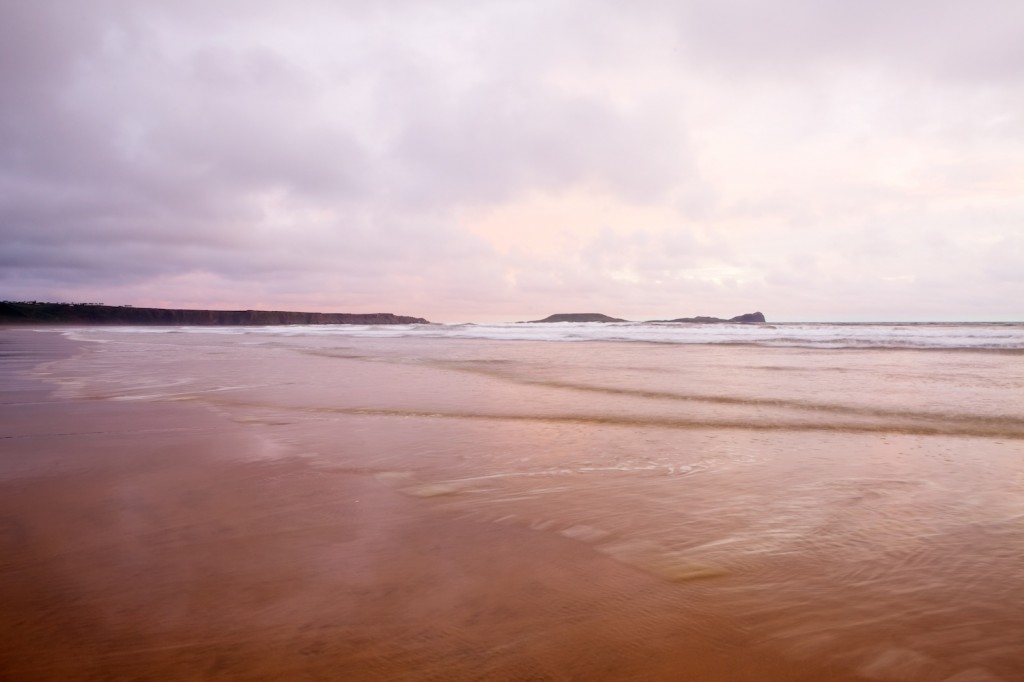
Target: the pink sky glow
pixel 489 161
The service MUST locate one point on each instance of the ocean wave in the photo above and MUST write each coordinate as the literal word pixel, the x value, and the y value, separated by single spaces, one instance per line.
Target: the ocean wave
pixel 1008 337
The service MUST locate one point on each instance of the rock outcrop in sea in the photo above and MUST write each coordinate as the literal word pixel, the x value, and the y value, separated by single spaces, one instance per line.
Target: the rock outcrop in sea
pixel 579 317
pixel 94 314
pixel 746 318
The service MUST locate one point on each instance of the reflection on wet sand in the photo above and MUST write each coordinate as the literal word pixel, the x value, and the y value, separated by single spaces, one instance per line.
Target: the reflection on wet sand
pixel 266 512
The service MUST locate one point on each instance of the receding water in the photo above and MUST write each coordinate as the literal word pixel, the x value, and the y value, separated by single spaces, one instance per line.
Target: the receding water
pixel 863 505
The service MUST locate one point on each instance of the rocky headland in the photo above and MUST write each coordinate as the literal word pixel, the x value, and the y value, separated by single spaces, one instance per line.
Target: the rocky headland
pixel 34 312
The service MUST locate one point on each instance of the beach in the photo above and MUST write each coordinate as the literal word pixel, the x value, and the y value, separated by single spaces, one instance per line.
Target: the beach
pixel 324 504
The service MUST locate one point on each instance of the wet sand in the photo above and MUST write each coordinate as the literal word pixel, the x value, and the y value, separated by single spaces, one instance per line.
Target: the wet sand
pixel 157 540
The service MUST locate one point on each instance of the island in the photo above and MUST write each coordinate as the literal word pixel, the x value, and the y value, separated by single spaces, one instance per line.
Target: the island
pixel 35 312
pixel 578 317
pixel 746 318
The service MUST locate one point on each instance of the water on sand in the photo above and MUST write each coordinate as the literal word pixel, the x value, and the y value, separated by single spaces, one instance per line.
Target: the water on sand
pixel 861 507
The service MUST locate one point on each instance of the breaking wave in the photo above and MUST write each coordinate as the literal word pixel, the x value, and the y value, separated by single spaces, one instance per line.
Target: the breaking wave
pixel 1008 336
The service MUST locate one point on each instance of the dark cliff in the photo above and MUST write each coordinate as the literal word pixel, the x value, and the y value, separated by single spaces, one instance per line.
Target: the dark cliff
pixel 88 313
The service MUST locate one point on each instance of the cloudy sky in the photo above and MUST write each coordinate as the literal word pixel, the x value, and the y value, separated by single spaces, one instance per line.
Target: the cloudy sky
pixel 489 160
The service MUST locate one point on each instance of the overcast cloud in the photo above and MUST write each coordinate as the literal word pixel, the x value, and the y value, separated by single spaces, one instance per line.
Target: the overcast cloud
pixel 814 159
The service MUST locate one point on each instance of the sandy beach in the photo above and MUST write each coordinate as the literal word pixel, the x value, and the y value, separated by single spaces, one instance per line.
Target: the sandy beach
pixel 679 340
pixel 200 507
pixel 153 541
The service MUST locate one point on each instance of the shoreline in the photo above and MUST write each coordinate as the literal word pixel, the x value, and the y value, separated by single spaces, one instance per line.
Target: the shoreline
pixel 149 539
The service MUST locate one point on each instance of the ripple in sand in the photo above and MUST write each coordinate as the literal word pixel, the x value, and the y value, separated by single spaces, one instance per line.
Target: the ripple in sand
pixel 432 490
pixel 401 480
pixel 652 558
pixel 393 478
pixel 973 675
pixel 584 533
pixel 897 664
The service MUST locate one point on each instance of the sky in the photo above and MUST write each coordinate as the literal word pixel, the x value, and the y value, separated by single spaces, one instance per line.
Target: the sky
pixel 488 160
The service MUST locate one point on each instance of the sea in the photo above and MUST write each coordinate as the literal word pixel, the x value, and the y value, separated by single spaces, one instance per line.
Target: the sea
pixel 850 493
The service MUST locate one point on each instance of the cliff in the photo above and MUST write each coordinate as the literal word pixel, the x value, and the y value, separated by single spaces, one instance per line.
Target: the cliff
pixel 579 317
pixel 93 314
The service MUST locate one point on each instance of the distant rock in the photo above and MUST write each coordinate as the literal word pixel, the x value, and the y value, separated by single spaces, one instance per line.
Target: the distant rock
pixel 12 312
pixel 579 317
pixel 700 319
pixel 747 318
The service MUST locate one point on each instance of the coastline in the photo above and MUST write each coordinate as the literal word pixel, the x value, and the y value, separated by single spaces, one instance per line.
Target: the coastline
pixel 36 313
pixel 151 539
